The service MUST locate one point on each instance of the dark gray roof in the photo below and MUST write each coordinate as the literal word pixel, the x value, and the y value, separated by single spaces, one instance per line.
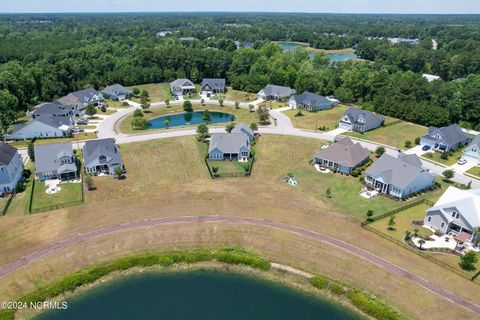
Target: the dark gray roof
pixel 7 152
pixel 451 134
pixel 70 101
pixel 279 91
pixel 47 119
pixel 344 152
pixel 308 98
pixel 116 89
pixel 214 84
pixel 228 142
pixel 95 148
pixel 47 156
pixel 85 95
pixel 49 108
pixel 241 128
pixel 180 83
pixel 400 171
pixel 354 114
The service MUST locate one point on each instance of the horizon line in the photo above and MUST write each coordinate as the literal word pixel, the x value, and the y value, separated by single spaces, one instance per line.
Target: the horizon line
pixel 239 12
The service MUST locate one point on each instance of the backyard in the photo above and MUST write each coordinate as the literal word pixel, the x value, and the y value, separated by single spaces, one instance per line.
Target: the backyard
pixel 242 115
pixel 41 201
pixel 224 167
pixel 313 120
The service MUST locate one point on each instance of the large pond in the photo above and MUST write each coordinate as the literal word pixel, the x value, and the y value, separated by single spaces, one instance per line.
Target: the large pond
pixel 288 46
pixel 196 295
pixel 188 118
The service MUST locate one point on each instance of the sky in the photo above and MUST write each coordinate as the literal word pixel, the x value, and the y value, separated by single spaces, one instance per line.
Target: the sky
pixel 321 6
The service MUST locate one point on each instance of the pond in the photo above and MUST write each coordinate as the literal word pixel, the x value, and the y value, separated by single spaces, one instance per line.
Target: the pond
pixel 197 295
pixel 188 118
pixel 288 46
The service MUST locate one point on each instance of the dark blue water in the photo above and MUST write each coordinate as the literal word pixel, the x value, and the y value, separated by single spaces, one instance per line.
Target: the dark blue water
pixel 199 295
pixel 188 118
pixel 289 46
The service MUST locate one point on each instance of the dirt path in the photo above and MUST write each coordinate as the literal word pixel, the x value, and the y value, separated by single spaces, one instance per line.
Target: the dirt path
pixel 338 244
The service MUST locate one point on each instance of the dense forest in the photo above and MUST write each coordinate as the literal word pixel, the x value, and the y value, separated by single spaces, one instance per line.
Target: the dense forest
pixel 43 57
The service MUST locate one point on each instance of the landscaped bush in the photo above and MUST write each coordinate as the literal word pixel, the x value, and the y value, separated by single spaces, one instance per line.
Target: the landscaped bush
pixel 372 306
pixel 337 288
pixel 320 282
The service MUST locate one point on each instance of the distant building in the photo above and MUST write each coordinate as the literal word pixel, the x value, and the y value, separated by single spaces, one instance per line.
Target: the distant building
pixel 181 87
pixel 394 41
pixel 89 95
pixel 187 39
pixel 343 156
pixel 55 161
pixel 274 92
pixel 431 77
pixel 11 168
pixel 360 120
pixel 117 92
pixel 163 34
pixel 311 102
pixel 212 86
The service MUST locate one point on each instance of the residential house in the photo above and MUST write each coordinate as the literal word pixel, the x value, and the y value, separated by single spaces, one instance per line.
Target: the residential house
pixel 343 156
pixel 117 92
pixel 71 102
pixel 55 161
pixel 229 146
pixel 89 95
pixel 310 102
pixel 181 87
pixel 11 168
pixel 212 86
pixel 102 156
pixel 398 176
pixel 472 152
pixel 54 109
pixel 242 128
pixel 273 92
pixel 163 34
pixel 457 212
pixel 360 120
pixel 43 126
pixel 430 77
pixel 445 138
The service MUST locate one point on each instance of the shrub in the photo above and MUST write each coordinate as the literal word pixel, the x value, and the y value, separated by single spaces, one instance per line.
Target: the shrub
pixel 337 288
pixel 444 155
pixel 372 306
pixel 138 113
pixel 320 282
pixel 21 186
pixel 417 141
pixel 468 260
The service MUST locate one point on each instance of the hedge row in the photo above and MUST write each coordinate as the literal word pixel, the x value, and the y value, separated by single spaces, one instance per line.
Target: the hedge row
pixel 90 275
pixel 369 304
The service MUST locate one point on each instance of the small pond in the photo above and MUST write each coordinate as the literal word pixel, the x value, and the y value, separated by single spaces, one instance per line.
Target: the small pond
pixel 188 118
pixel 289 46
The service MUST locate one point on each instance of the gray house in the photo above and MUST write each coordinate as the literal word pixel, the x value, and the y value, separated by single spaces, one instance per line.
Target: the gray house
pixel 181 87
pixel 242 128
pixel 457 212
pixel 43 126
pixel 89 95
pixel 472 152
pixel 229 146
pixel 273 92
pixel 117 92
pixel 343 156
pixel 398 177
pixel 11 168
pixel 54 109
pixel 55 161
pixel 102 156
pixel 445 138
pixel 310 102
pixel 212 86
pixel 70 102
pixel 360 120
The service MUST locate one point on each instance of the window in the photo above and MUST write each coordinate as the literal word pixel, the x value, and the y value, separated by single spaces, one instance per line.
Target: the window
pixel 453 214
pixel 429 219
pixel 2 169
pixel 442 225
pixel 458 215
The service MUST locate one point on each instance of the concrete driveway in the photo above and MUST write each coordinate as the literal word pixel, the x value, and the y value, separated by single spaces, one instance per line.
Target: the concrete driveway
pixel 416 150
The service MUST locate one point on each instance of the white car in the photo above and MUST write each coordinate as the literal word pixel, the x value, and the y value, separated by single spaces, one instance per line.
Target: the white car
pixel 462 162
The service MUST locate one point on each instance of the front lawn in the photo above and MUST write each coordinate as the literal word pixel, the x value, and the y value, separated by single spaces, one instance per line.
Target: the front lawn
pixel 70 193
pixel 242 115
pixel 452 158
pixel 236 95
pixel 314 120
pixel 158 92
pixel 475 171
pixel 274 104
pixel 76 137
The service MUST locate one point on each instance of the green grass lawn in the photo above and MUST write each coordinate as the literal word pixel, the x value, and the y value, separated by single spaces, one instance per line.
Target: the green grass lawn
pixel 158 92
pixel 70 192
pixel 78 136
pixel 313 120
pixel 403 222
pixel 242 115
pixel 475 171
pixel 116 104
pixel 452 159
pixel 223 166
pixel 394 133
pixel 236 95
pixel 274 104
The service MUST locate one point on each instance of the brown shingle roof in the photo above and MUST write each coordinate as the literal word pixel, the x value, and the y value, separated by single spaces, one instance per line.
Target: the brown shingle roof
pixel 344 152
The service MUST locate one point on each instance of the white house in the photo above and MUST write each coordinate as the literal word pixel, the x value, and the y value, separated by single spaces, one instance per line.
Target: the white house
pixel 44 126
pixel 472 152
pixel 360 120
pixel 102 156
pixel 181 87
pixel 11 168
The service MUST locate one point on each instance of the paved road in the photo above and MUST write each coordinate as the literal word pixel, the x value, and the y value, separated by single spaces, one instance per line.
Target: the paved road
pixel 339 244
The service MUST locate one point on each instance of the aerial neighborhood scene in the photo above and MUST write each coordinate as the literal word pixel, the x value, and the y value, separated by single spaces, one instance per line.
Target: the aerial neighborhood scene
pixel 267 160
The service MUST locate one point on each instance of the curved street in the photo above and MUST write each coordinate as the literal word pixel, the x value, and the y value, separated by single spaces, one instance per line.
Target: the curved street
pixel 148 223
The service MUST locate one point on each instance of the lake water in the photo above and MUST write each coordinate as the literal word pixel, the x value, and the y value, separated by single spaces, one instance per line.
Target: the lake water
pixel 188 118
pixel 198 295
pixel 289 46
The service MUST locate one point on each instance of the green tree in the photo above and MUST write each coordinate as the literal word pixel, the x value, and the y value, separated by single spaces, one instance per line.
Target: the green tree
pixel 145 103
pixel 206 117
pixel 187 106
pixel 379 151
pixel 202 102
pixel 328 193
pixel 138 113
pixel 166 123
pixel 220 101
pixel 369 214
pixel 468 260
pixel 417 141
pixel 145 94
pixel 229 127
pixel 119 172
pixel 136 91
pixel 237 105
pixel 408 144
pixel 89 182
pixel 448 174
pixel 421 242
pixel 392 223
pixel 139 123
pixel 30 151
pixel 253 127
pixel 202 130
pixel 90 110
pixel 251 107
pixel 167 103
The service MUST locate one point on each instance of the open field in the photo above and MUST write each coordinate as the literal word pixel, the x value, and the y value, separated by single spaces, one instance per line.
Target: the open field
pixel 242 115
pixel 158 92
pixel 76 137
pixel 168 178
pixel 313 120
pixel 394 133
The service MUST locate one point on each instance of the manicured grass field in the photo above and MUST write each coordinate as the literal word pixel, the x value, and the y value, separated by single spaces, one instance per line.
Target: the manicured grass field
pixel 242 115
pixel 236 95
pixel 403 223
pixel 274 104
pixel 313 120
pixel 393 134
pixel 158 92
pixel 116 104
pixel 70 192
pixel 78 136
pixel 223 166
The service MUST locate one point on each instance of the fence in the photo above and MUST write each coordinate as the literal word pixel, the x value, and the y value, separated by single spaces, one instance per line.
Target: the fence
pixel 402 244
pixel 7 204
pixel 230 174
pixel 55 206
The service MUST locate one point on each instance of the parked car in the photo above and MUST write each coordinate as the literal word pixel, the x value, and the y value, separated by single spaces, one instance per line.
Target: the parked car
pixel 81 122
pixel 76 129
pixel 462 162
pixel 426 148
